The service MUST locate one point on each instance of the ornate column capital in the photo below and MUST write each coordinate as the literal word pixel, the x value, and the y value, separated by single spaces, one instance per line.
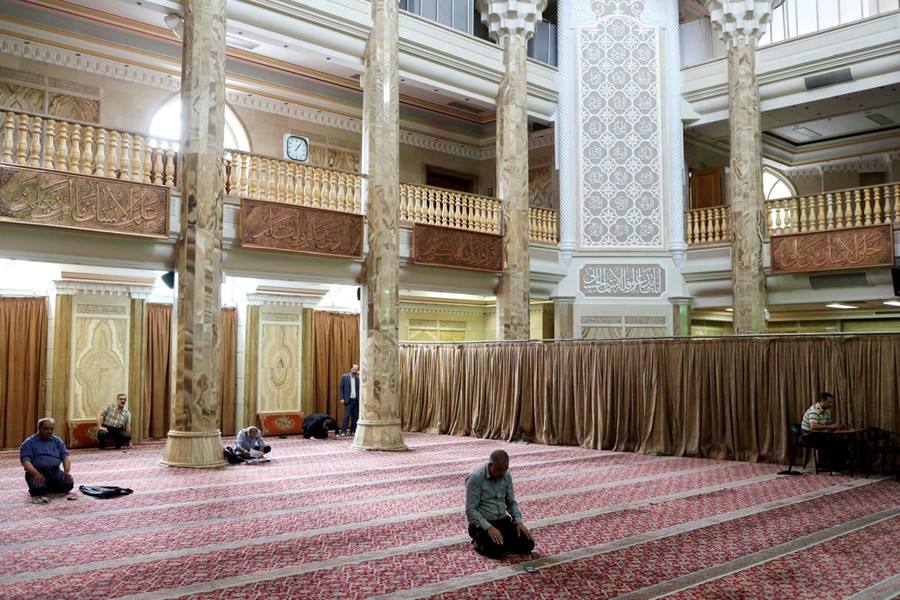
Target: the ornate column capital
pixel 510 17
pixel 740 21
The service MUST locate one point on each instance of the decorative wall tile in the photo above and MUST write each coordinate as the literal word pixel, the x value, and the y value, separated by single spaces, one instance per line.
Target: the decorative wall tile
pixel 622 281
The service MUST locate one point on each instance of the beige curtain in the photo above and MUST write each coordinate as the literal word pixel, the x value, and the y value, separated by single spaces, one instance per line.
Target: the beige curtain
pixel 251 367
pixel 228 378
pixel 721 398
pixel 62 350
pixel 23 352
pixel 137 347
pixel 336 349
pixel 308 370
pixel 157 380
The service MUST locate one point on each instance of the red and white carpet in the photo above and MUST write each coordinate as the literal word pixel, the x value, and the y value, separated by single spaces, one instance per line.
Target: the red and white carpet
pixel 323 521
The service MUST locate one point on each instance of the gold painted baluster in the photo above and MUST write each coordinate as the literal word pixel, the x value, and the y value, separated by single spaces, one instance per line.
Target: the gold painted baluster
pixel 22 145
pixel 140 163
pixel 245 175
pixel 417 204
pixel 228 184
pixel 774 208
pixel 876 205
pixel 34 153
pixel 280 187
pixel 838 210
pixel 689 227
pixel 112 161
pixel 271 180
pixel 716 225
pixel 254 174
pixel 857 209
pixel 62 148
pixel 867 206
pixel 50 145
pixel 157 163
pixel 100 158
pixel 87 157
pixel 343 201
pixel 316 187
pixel 75 152
pixel 125 157
pixel 820 213
pixel 8 137
pixel 897 205
pixel 169 179
pixel 829 211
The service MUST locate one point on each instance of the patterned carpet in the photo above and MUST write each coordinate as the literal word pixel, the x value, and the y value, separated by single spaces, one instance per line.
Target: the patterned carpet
pixel 323 521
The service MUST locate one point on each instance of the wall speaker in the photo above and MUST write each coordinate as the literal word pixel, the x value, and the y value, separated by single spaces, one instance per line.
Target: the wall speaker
pixel 169 279
pixel 895 275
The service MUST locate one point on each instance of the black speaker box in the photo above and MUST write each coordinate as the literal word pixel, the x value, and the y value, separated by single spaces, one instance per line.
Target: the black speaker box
pixel 895 275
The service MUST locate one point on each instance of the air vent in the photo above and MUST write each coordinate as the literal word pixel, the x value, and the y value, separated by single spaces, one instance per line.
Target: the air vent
pixel 838 280
pixel 807 132
pixel 816 81
pixel 233 40
pixel 879 118
pixel 466 107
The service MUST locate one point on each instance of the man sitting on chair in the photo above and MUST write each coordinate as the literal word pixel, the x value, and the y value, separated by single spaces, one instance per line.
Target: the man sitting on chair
pixel 817 428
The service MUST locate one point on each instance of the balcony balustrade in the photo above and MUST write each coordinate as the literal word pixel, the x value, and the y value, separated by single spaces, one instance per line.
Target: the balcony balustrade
pixel 72 147
pixel 447 208
pixel 856 207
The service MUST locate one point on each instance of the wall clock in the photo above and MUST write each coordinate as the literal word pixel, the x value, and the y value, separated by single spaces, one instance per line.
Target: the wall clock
pixel 296 148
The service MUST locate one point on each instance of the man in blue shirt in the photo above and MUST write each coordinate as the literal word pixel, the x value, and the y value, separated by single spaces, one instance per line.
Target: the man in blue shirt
pixel 41 454
pixel 495 522
pixel 250 439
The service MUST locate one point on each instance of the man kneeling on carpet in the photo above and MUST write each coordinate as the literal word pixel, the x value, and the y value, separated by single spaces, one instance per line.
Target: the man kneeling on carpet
pixel 249 439
pixel 41 454
pixel 318 425
pixel 489 497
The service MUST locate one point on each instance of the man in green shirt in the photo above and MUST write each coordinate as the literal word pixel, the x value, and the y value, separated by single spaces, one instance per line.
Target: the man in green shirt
pixel 495 522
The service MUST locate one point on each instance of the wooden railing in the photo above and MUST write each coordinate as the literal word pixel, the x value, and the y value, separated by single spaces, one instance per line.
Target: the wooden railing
pixel 856 207
pixel 56 144
pixel 708 225
pixel 840 209
pixel 544 225
pixel 447 208
pixel 263 178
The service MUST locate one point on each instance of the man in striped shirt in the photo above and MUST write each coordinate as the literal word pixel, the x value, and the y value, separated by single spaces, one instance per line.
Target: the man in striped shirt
pixel 114 421
pixel 817 428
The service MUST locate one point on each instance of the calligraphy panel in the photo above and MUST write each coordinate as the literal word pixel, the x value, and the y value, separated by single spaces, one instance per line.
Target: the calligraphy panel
pixel 622 281
pixel 274 226
pixel 39 197
pixel 446 247
pixel 854 248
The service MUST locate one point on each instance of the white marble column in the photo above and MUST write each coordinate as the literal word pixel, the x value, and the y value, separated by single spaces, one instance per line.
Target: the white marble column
pixel 194 439
pixel 681 315
pixel 676 171
pixel 511 23
pixel 563 317
pixel 379 411
pixel 741 23
pixel 563 131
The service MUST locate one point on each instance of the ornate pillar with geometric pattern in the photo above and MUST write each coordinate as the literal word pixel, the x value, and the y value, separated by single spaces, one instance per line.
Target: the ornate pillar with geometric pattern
pixel 194 439
pixel 511 23
pixel 378 427
pixel 741 23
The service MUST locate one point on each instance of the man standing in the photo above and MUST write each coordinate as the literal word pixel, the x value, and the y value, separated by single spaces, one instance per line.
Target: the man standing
pixel 41 454
pixel 350 400
pixel 114 421
pixel 250 439
pixel 817 428
pixel 495 523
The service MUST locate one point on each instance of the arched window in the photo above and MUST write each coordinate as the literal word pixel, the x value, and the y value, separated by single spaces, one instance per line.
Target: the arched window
pixel 166 124
pixel 775 186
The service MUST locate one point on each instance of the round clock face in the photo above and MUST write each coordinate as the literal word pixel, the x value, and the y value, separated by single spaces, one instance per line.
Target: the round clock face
pixel 297 148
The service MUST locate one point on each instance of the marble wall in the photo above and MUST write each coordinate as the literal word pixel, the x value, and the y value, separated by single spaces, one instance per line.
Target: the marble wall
pixel 280 358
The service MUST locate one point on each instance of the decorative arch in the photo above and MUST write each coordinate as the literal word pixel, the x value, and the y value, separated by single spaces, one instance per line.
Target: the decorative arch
pixel 775 185
pixel 166 124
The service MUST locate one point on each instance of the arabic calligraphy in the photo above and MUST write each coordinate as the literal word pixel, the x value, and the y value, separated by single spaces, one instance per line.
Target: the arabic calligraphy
pixel 852 248
pixel 82 202
pixel 445 247
pixel 299 229
pixel 628 281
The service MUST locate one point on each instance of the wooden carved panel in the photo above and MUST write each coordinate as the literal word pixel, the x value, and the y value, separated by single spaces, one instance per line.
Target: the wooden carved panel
pixel 276 226
pixel 855 248
pixel 39 197
pixel 445 247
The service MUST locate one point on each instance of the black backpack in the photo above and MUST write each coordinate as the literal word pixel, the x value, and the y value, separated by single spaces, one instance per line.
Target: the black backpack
pixel 104 491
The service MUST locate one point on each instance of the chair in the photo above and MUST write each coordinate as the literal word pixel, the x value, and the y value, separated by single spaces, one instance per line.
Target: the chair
pixel 798 441
pixel 883 445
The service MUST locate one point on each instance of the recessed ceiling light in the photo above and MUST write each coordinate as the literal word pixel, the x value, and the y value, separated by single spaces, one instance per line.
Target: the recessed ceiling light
pixel 435 89
pixel 893 302
pixel 879 118
pixel 729 310
pixel 806 131
pixel 327 58
pixel 839 305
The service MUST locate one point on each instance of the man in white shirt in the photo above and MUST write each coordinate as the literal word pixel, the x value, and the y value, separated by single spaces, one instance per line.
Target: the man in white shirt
pixel 350 399
pixel 249 439
pixel 817 429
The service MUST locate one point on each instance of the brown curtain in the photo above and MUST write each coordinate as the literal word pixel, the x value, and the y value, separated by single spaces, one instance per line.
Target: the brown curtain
pixel 336 349
pixel 23 355
pixel 721 398
pixel 157 383
pixel 228 379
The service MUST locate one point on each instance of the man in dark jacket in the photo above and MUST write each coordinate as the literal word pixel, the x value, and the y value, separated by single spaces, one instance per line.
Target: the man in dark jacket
pixel 318 426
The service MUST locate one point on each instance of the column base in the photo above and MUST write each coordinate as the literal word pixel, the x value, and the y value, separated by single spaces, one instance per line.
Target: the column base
pixel 378 435
pixel 197 449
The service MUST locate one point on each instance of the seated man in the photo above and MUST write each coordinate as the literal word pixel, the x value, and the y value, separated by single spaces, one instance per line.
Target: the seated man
pixel 114 421
pixel 817 428
pixel 41 454
pixel 489 497
pixel 250 439
pixel 318 426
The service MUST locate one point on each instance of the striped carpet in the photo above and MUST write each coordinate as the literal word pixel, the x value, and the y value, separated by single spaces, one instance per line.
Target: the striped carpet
pixel 323 521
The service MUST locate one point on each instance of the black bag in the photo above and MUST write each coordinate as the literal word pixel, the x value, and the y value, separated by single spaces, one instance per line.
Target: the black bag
pixel 231 456
pixel 104 491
